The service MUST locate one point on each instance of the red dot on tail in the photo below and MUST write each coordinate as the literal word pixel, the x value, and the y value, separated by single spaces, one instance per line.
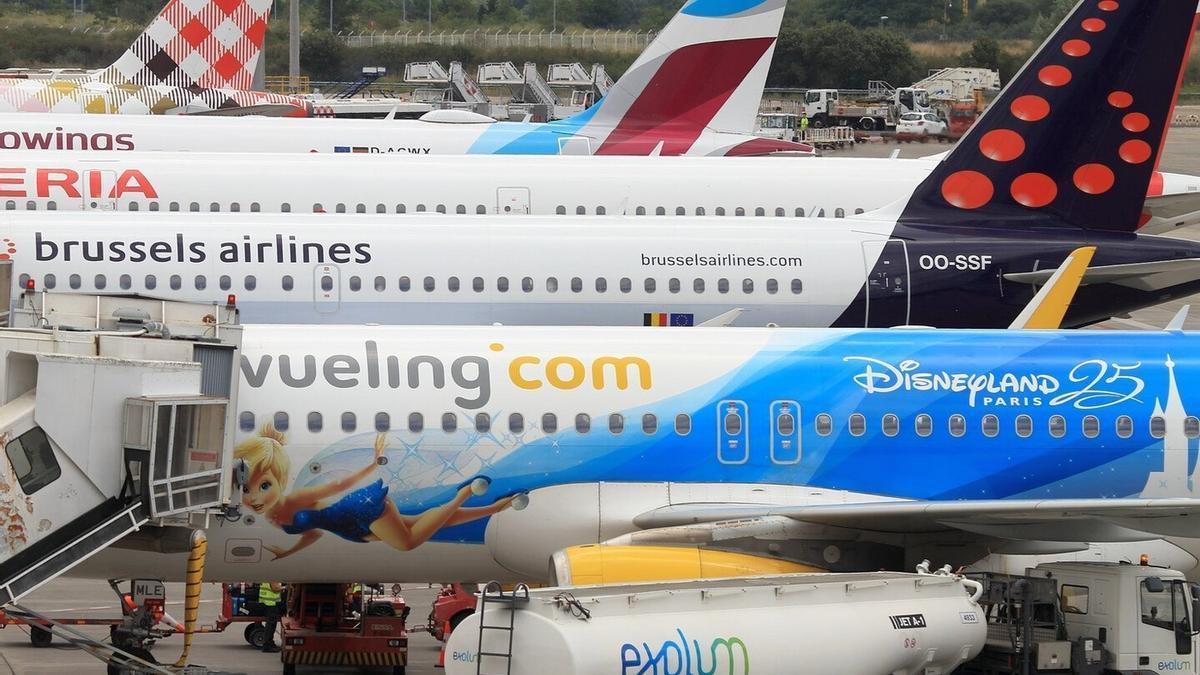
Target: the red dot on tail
pixel 1034 190
pixel 1054 76
pixel 1002 145
pixel 1120 99
pixel 1094 179
pixel 1093 25
pixel 1135 122
pixel 3 256
pixel 967 189
pixel 1135 151
pixel 1108 5
pixel 12 250
pixel 1030 108
pixel 1076 48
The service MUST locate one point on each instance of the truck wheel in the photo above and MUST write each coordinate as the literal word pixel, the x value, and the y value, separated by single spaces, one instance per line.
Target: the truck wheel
pixel 289 669
pixel 459 618
pixel 819 122
pixel 40 637
pixel 256 635
pixel 867 124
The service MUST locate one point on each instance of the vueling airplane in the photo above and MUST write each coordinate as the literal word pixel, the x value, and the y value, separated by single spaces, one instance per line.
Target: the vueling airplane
pixel 821 187
pixel 1042 172
pixel 196 56
pixel 481 452
pixel 695 90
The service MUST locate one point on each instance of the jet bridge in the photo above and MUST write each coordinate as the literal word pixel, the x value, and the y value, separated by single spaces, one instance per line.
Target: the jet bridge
pixel 115 413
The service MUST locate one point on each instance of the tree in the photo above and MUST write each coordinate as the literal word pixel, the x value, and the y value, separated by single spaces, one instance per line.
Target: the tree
pixel 323 55
pixel 985 53
pixel 839 55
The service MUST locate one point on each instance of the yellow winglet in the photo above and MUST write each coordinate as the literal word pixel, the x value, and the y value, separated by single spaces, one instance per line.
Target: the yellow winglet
pixel 1047 308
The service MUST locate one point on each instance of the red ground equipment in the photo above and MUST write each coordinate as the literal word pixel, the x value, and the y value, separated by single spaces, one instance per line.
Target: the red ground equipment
pixel 454 603
pixel 137 627
pixel 324 628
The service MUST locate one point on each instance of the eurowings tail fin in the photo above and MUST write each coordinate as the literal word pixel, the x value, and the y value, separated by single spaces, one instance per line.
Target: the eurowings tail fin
pixel 211 44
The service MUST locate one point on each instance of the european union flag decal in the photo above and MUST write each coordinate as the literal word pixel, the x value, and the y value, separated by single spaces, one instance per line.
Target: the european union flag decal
pixel 341 148
pixel 683 320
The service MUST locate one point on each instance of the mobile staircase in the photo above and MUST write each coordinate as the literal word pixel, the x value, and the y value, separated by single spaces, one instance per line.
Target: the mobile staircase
pixel 451 89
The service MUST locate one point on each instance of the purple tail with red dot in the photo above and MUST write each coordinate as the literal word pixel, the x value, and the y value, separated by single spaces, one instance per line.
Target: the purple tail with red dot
pixel 1076 135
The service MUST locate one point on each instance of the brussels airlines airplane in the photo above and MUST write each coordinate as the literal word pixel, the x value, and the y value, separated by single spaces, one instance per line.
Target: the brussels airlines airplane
pixel 695 91
pixel 1044 171
pixel 195 56
pixel 730 186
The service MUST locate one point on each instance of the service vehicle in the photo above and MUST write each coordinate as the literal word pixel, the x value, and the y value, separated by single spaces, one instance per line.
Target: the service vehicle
pixel 921 124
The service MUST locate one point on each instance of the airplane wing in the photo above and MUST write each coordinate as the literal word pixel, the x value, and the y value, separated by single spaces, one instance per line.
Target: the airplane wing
pixel 1054 520
pixel 1143 276
pixel 1171 212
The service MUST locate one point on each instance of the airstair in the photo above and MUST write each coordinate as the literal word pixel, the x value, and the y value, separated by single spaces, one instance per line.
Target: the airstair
pixel 150 445
pixel 585 87
pixel 531 96
pixel 445 88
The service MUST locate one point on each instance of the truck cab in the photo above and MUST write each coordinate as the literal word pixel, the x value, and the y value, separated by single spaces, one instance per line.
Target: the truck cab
pixel 777 125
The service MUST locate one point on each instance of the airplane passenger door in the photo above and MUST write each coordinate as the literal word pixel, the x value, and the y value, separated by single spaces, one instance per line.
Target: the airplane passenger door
pixel 887 283
pixel 98 190
pixel 512 200
pixel 327 288
pixel 733 432
pixel 785 432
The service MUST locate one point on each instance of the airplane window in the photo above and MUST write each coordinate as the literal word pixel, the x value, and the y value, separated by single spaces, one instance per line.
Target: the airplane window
pixel 360 208
pixel 483 422
pixel 516 423
pixel 1124 426
pixel 326 283
pixel 403 284
pixel 151 282
pixel 1191 427
pixel 480 209
pixel 214 207
pixel 1058 426
pixel 1091 426
pixel 349 422
pixel 580 210
pixel 958 425
pixel 821 213
pixel 250 282
pixel 133 206
pixel 502 284
pixel 991 426
pixel 380 284
pixel 891 425
pixel 760 211
pixel 779 212
pixel 673 285
pixel 280 421
pixel 772 286
pixel 824 424
pixel 176 282
pixel 600 211
pixel 381 208
pixel 174 206
pixel 420 208
pixel 194 206
pixel 355 283
pixel 576 285
pixel 527 284
pixel 839 212
pixel 50 281
pixel 75 282
pixel 1158 426
pixel 400 208
pixel 225 282
pixel 429 284
pixel 235 207
pixel 720 211
pixel 601 284
pixel 10 205
pixel 698 285
pixel 1024 426
pixel 680 211
pixel 314 422
pixel 549 423
pixel 733 422
pixel 449 422
pixel 287 283
pixel 460 209
pixel 799 213
pixel 477 284
pixel 583 423
pixel 785 424
pixel 626 284
pixel 200 282
pixel 924 425
pixel 857 424
pixel 441 208
pixel 649 424
pixel 154 206
pixel 616 423
pixel 660 211
pixel 683 424
pixel 560 210
pixel 699 210
pixel 100 281
pixel 285 208
pixel 452 284
pixel 858 211
pixel 551 284
pixel 649 284
pixel 416 422
pixel 23 281
pixel 747 285
pixel 340 208
pixel 246 420
pixel 722 285
pixel 640 211
pixel 254 207
pixel 797 286
pixel 125 282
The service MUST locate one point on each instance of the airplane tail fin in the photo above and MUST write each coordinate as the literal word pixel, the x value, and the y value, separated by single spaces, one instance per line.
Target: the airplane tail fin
pixel 1077 132
pixel 706 69
pixel 210 44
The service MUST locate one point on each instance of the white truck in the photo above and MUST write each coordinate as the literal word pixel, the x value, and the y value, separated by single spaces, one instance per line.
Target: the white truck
pixel 874 109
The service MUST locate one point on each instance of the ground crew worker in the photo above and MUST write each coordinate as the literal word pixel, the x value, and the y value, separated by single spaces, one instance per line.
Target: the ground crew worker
pixel 270 595
pixel 803 125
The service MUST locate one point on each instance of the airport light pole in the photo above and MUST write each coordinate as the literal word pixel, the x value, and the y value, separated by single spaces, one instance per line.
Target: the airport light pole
pixel 430 19
pixel 554 18
pixel 330 16
pixel 294 45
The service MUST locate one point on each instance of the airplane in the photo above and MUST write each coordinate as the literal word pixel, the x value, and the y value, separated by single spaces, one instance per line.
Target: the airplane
pixel 617 185
pixel 695 90
pixel 196 56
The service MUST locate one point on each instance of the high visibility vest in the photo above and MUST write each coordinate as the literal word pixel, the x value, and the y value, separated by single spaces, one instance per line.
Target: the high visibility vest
pixel 267 596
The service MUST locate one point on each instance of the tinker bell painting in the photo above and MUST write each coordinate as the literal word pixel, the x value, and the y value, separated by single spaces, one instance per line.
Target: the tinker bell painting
pixel 352 502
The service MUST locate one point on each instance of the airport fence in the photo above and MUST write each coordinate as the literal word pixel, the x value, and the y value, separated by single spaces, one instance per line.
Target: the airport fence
pixel 599 40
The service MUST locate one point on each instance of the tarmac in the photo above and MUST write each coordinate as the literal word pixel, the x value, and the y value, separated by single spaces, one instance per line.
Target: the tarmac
pixel 228 652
